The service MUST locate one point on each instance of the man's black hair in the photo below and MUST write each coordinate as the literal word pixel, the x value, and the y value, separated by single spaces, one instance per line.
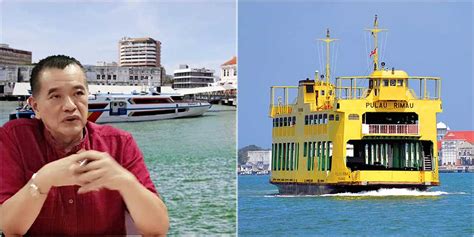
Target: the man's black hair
pixel 54 61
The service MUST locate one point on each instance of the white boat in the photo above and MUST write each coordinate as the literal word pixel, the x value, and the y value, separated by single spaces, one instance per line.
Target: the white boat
pixel 111 108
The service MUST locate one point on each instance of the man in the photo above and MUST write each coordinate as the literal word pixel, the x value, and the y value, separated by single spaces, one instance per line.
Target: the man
pixel 60 174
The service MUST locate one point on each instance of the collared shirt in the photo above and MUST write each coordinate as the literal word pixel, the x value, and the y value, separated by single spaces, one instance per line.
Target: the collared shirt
pixel 26 146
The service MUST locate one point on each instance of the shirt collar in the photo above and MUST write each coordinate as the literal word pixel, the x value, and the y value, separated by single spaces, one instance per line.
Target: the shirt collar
pixel 65 151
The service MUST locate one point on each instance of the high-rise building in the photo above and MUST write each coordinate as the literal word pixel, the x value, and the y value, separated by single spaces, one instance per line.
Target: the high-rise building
pixel 11 56
pixel 139 52
pixel 186 77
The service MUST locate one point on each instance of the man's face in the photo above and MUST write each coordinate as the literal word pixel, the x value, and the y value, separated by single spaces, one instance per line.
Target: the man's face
pixel 61 102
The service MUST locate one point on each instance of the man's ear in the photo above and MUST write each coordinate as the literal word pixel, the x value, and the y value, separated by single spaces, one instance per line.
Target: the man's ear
pixel 34 105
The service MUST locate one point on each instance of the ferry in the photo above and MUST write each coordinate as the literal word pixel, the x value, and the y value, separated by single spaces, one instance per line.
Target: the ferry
pixel 359 133
pixel 117 107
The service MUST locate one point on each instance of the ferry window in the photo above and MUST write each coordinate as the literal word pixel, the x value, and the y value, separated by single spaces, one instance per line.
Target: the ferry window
pixel 306 120
pixel 385 82
pixel 400 82
pixel 274 123
pixel 305 148
pixel 309 89
pixel 280 122
pixel 315 120
pixel 273 156
pixel 322 92
pixel 288 156
pixel 325 117
pixel 311 119
pixel 308 166
pixel 279 156
pixel 294 120
pixel 285 121
pixel 320 119
pixel 337 117
pixel 331 117
pixel 392 82
pixel 289 121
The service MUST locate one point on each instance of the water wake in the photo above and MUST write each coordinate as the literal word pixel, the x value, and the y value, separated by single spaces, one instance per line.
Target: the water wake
pixel 394 192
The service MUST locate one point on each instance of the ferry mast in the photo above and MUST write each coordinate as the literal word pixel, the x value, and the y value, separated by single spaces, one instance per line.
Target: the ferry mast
pixel 375 52
pixel 328 41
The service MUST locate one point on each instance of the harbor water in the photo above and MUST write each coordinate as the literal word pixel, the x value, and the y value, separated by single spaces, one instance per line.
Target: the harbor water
pixel 192 163
pixel 446 210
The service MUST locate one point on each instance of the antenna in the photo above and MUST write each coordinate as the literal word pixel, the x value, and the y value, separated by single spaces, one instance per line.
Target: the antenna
pixel 328 40
pixel 375 52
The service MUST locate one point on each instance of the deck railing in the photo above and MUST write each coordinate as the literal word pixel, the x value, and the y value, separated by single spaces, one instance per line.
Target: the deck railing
pixel 400 129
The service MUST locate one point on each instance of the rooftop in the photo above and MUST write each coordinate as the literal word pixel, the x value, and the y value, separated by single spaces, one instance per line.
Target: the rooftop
pixel 233 61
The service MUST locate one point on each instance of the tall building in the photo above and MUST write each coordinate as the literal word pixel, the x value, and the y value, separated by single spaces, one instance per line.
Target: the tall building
pixel 186 77
pixel 229 72
pixel 139 52
pixel 457 148
pixel 11 56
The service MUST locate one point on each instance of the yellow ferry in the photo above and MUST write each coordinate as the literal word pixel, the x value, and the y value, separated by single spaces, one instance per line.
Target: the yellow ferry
pixel 359 133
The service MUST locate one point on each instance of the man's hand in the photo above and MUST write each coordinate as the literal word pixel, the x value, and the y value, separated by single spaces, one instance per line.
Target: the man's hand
pixel 58 173
pixel 101 171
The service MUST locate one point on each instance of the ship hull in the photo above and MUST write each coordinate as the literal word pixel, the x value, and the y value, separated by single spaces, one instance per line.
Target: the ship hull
pixel 320 189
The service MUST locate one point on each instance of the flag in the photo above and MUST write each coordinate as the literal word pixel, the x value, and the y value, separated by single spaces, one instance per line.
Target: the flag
pixel 373 52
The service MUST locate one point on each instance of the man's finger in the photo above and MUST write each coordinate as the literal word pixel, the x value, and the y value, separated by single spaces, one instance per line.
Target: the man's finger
pixel 89 155
pixel 91 165
pixel 93 186
pixel 89 177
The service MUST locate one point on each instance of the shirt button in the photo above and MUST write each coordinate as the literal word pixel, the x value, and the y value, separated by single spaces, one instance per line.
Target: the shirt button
pixel 71 201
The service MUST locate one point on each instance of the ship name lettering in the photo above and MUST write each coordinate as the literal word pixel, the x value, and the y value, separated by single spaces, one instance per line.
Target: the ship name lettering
pixel 376 105
pixel 403 105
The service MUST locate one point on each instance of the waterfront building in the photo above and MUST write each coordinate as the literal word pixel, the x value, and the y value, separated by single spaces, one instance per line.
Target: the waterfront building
pixel 229 72
pixel 457 148
pixel 259 160
pixel 139 52
pixel 11 74
pixel 11 56
pixel 106 74
pixel 441 130
pixel 123 76
pixel 186 77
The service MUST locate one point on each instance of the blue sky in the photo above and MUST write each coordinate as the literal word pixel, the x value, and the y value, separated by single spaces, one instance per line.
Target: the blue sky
pixel 198 33
pixel 277 46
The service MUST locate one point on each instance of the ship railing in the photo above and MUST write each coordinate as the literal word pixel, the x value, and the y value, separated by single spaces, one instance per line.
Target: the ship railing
pixel 279 99
pixel 397 129
pixel 280 109
pixel 420 87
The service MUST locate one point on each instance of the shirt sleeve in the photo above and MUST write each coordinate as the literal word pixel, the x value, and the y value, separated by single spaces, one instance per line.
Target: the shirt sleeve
pixel 12 176
pixel 133 161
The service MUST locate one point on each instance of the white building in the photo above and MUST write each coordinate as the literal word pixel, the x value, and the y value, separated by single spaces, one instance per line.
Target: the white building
pixel 139 52
pixel 229 72
pixel 260 160
pixel 186 77
pixel 457 148
pixel 96 75
pixel 441 130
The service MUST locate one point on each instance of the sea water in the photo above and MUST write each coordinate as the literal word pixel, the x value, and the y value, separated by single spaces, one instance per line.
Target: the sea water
pixel 446 210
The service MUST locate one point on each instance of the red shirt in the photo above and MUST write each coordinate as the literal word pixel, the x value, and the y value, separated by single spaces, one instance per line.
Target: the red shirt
pixel 26 146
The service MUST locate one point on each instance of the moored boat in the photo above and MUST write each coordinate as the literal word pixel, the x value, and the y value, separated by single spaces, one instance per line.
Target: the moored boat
pixel 110 108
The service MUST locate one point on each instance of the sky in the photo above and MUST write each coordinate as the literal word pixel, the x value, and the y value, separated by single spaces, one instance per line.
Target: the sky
pixel 197 33
pixel 277 46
